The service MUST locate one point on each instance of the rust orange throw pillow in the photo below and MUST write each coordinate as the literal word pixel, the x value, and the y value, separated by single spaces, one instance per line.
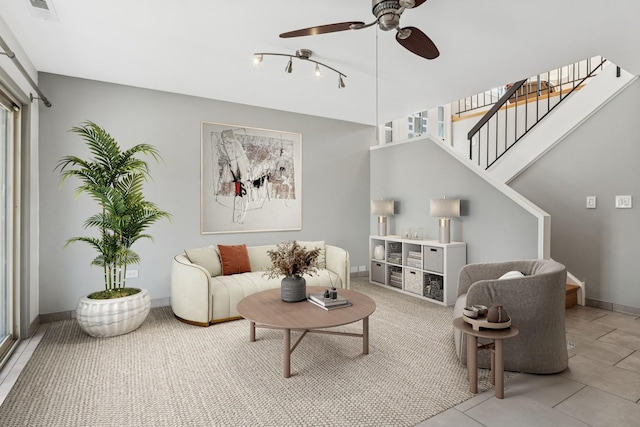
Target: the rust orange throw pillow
pixel 235 259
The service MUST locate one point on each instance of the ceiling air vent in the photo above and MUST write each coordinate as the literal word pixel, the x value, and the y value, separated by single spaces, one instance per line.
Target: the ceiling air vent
pixel 41 4
pixel 43 9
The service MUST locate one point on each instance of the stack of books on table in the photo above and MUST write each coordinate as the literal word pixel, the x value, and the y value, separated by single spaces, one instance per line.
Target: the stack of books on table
pixel 328 303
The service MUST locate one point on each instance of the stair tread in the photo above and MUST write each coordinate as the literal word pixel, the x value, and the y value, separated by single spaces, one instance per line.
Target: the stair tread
pixel 572 295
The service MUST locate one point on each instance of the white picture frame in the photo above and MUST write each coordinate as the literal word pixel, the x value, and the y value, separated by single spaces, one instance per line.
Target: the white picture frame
pixel 251 179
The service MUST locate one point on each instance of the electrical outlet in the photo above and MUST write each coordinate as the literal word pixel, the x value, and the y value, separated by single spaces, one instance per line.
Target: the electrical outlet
pixel 362 268
pixel 623 202
pixel 591 202
pixel 132 274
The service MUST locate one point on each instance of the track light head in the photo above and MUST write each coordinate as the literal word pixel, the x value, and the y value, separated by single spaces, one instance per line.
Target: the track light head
pixel 340 82
pixel 317 71
pixel 257 58
pixel 289 66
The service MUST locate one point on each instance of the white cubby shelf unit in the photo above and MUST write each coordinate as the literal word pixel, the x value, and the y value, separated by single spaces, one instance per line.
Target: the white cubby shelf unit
pixel 425 269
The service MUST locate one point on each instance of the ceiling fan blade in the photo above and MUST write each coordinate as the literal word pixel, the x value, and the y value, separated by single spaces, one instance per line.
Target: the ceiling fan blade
pixel 322 29
pixel 417 42
pixel 419 2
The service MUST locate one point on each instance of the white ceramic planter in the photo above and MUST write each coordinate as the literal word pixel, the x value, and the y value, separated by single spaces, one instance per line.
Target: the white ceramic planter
pixel 111 317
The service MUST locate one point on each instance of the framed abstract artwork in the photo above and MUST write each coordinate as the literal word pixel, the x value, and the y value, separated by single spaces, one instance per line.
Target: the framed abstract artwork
pixel 251 179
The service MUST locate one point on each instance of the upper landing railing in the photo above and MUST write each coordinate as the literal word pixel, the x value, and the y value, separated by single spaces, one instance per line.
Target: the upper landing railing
pixel 519 107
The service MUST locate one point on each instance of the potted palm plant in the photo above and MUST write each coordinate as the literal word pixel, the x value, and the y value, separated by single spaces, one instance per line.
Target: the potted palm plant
pixel 114 178
pixel 292 261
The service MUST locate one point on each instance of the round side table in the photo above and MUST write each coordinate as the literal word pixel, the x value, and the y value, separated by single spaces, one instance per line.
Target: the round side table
pixel 495 347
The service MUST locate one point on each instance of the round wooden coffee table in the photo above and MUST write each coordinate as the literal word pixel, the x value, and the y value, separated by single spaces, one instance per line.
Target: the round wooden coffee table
pixel 266 310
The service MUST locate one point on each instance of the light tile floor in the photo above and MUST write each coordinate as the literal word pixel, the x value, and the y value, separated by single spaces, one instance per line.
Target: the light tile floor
pixel 601 387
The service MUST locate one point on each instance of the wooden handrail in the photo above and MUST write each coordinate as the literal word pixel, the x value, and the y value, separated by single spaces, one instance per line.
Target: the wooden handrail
pixel 499 103
pixel 511 95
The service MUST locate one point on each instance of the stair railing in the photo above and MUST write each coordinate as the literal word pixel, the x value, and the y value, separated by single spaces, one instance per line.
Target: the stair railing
pixel 479 100
pixel 530 100
pixel 511 91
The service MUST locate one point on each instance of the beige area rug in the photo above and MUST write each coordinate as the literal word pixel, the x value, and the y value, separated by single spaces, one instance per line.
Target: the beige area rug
pixel 168 373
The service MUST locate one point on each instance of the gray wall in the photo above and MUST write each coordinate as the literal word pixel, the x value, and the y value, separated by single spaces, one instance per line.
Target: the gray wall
pixel 335 194
pixel 494 227
pixel 600 158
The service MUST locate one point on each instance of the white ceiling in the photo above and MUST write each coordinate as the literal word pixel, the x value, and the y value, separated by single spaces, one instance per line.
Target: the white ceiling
pixel 204 48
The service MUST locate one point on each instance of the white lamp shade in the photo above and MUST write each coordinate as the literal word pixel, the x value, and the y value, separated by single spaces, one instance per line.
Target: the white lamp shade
pixel 445 208
pixel 382 207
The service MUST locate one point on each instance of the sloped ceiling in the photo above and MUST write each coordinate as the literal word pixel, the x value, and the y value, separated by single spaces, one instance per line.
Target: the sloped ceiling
pixel 204 48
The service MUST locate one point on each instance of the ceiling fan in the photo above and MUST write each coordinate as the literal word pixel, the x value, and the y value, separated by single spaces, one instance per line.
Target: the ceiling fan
pixel 387 13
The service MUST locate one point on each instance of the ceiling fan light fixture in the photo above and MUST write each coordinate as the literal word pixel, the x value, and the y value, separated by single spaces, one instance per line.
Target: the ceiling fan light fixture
pixel 389 21
pixel 289 66
pixel 387 13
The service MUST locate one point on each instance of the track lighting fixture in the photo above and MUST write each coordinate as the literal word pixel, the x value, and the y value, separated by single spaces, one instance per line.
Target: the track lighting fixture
pixel 305 55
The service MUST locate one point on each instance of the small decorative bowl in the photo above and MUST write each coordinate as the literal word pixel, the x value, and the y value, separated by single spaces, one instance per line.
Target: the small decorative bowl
pixel 482 310
pixel 470 312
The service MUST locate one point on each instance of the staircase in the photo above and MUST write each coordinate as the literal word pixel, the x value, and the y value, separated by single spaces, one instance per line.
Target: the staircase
pixel 523 105
pixel 536 131
pixel 497 141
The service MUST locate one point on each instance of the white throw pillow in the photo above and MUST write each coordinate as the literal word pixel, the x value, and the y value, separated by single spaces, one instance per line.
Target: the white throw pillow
pixel 511 275
pixel 207 257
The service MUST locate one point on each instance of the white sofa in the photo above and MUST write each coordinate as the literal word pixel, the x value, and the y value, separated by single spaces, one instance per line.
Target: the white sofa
pixel 201 295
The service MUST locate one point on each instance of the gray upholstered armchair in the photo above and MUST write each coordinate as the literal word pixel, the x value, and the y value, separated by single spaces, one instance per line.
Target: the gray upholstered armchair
pixel 535 303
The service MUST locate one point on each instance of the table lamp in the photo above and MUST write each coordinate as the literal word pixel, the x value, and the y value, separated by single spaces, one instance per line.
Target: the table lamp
pixel 382 208
pixel 445 209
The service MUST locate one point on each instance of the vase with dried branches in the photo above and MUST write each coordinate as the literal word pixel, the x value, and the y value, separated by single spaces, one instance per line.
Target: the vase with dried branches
pixel 292 261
